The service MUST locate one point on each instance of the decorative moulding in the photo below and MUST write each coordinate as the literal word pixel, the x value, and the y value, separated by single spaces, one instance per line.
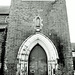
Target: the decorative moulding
pixel 38 23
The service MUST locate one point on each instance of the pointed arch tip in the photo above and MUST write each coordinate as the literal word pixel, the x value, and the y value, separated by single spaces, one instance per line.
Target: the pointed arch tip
pixel 42 40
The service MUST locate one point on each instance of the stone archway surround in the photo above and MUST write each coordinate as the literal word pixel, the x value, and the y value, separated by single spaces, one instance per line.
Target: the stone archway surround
pixel 48 46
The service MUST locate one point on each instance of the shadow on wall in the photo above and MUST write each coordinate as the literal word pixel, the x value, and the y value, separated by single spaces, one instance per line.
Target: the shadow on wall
pixel 3 43
pixel 60 45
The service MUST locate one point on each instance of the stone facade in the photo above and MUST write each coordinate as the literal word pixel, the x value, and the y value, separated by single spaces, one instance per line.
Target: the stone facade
pixel 55 27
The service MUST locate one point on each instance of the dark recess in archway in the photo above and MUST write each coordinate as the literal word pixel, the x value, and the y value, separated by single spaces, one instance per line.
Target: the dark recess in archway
pixel 37 61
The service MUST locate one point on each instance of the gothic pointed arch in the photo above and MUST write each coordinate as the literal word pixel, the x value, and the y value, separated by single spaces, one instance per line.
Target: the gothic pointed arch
pixel 45 43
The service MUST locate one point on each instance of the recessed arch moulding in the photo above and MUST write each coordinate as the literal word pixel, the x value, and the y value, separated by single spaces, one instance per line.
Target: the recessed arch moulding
pixel 47 45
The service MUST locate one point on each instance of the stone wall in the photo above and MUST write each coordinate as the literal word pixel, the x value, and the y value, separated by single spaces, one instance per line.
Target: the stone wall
pixel 55 27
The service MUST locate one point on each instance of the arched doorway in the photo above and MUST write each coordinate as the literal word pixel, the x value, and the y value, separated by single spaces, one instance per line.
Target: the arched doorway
pixel 37 61
pixel 26 50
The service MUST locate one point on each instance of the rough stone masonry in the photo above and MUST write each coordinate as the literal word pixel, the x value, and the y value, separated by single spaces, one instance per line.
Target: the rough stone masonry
pixel 55 27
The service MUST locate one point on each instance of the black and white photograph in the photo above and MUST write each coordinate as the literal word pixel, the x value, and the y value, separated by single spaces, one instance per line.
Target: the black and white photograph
pixel 37 37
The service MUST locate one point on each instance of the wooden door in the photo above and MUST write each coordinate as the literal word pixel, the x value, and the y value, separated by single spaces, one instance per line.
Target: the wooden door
pixel 37 61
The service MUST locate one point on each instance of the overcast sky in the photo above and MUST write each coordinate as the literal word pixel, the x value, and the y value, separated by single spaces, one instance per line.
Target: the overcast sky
pixel 71 15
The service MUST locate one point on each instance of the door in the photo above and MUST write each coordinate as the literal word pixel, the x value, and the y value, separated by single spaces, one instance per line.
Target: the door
pixel 37 61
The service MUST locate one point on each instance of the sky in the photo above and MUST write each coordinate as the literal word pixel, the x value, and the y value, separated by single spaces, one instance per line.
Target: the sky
pixel 70 12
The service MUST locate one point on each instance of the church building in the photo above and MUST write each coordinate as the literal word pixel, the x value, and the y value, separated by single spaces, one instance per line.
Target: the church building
pixel 34 38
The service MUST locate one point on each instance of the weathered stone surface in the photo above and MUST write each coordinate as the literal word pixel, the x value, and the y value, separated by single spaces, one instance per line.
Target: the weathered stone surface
pixel 55 27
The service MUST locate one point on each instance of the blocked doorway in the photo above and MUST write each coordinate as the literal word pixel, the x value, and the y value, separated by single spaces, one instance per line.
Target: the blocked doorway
pixel 37 61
